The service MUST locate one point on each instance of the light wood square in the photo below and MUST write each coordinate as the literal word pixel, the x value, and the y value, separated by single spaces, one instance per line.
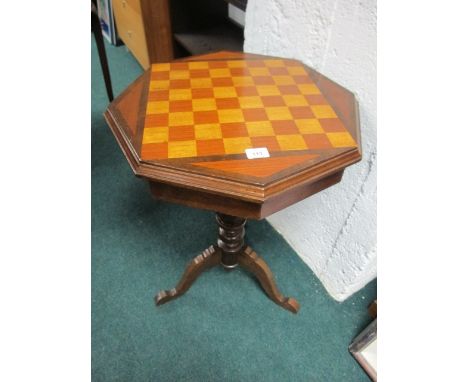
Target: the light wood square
pixel 260 129
pixel 297 71
pixel 279 113
pixel 208 131
pixel 155 134
pixel 160 67
pixel 198 65
pixel 237 145
pixel 291 142
pixel 182 149
pixel 179 74
pixel 341 139
pixel 180 94
pixel 242 81
pixel 181 118
pixel 309 126
pixel 268 90
pixel 323 111
pixel 252 102
pixel 201 82
pixel 224 92
pixel 203 104
pixel 295 100
pixel 260 71
pixel 158 84
pixel 220 72
pixel 157 107
pixel 308 89
pixel 283 80
pixel 230 115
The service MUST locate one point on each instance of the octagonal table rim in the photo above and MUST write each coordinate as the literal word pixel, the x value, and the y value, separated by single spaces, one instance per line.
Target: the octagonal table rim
pixel 328 171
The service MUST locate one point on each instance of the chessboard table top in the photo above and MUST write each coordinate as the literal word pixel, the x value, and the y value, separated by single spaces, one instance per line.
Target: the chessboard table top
pixel 218 108
pixel 188 123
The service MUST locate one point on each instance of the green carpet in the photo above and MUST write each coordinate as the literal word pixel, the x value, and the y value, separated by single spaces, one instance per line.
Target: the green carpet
pixel 224 328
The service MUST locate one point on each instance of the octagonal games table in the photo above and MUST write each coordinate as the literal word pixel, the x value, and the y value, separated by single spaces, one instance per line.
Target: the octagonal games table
pixel 243 135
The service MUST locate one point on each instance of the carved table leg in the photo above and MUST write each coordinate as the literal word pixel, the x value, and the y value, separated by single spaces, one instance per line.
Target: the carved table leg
pixel 250 261
pixel 229 252
pixel 208 259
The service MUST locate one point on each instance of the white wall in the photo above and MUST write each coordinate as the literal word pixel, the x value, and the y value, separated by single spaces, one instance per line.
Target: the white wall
pixel 334 231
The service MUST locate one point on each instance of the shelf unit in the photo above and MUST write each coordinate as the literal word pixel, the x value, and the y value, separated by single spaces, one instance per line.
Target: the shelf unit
pixel 204 26
pixel 161 30
pixel 219 37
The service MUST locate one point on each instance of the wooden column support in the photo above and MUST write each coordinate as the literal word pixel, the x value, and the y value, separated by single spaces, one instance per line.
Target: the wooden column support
pixel 230 251
pixel 230 238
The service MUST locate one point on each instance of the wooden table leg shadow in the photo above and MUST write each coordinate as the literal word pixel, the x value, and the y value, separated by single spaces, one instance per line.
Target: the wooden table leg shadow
pixel 229 252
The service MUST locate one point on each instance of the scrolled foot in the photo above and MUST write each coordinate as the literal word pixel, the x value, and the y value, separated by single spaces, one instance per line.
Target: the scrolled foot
pixel 250 261
pixel 165 296
pixel 290 304
pixel 207 259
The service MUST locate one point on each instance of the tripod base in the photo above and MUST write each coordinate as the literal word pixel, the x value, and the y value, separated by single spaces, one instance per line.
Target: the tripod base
pixel 229 252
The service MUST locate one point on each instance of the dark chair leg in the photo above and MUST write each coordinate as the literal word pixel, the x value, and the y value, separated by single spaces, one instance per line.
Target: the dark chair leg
pixel 96 28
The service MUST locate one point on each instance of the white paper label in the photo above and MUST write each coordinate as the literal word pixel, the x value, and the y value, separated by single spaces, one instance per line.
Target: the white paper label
pixel 259 152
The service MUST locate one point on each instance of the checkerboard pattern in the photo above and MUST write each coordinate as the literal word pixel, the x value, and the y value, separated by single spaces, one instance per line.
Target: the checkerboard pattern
pixel 206 108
